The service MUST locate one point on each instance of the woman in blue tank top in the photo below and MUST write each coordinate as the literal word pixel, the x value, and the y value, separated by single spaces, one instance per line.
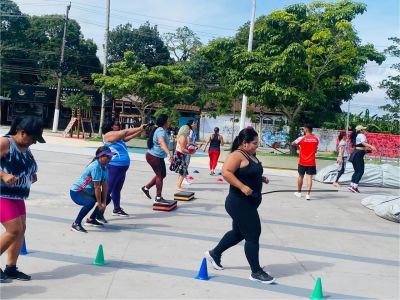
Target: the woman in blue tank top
pixel 17 172
pixel 115 138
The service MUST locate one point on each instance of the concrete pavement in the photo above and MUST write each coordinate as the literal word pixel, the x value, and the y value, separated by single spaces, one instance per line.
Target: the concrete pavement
pixel 157 254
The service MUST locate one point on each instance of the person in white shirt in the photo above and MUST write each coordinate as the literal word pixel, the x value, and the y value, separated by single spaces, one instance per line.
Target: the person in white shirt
pixel 361 147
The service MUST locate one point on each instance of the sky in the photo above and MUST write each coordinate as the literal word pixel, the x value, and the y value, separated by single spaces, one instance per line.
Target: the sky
pixel 211 19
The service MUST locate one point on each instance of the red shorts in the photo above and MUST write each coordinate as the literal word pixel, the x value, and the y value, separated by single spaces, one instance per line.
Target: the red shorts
pixel 11 209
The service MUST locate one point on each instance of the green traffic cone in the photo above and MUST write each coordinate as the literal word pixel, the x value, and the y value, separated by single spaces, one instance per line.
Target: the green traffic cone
pixel 99 261
pixel 317 294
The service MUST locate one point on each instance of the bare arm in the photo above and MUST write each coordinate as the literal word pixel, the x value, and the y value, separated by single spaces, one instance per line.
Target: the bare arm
pixel 8 179
pixel 365 144
pixel 208 141
pixel 222 140
pixel 104 192
pixel 97 192
pixel 163 146
pixel 230 166
pixel 130 133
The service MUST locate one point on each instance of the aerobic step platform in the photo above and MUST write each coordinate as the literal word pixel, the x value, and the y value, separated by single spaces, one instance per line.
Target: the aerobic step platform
pixel 168 206
pixel 184 196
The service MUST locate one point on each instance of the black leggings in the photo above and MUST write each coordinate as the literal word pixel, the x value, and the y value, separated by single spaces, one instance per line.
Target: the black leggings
pixel 358 165
pixel 245 225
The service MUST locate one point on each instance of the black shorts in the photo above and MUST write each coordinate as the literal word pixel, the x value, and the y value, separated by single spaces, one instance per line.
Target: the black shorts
pixel 309 170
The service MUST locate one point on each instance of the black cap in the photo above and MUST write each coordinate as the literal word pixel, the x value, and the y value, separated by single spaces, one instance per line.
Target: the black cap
pixel 31 125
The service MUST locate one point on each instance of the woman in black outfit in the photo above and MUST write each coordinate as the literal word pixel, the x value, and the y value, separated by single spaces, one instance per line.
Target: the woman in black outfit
pixel 244 172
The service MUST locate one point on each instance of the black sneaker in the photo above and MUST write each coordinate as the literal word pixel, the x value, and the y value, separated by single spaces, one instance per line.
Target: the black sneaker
pixel 146 192
pixel 93 222
pixel 214 260
pixel 261 276
pixel 119 212
pixel 3 277
pixel 160 200
pixel 101 219
pixel 13 273
pixel 78 228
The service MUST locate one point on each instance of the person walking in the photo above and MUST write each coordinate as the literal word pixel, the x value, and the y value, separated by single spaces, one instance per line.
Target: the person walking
pixel 91 189
pixel 308 145
pixel 216 141
pixel 343 150
pixel 244 172
pixel 18 170
pixel 157 144
pixel 180 159
pixel 191 145
pixel 360 143
pixel 115 139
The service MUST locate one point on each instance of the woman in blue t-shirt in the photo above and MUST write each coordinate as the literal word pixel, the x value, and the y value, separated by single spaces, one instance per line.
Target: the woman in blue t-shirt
pixel 92 188
pixel 115 138
pixel 157 144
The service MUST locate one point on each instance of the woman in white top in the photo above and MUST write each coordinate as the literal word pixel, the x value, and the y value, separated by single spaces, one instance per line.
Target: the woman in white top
pixel 360 143
pixel 343 149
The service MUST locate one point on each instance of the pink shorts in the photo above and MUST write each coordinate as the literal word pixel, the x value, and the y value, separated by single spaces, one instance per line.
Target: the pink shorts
pixel 11 209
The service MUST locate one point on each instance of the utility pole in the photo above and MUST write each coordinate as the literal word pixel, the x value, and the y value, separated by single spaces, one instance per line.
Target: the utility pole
pixel 249 49
pixel 60 73
pixel 348 118
pixel 103 95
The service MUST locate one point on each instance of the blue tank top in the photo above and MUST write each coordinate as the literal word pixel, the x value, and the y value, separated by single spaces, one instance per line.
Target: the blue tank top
pixel 215 143
pixel 21 165
pixel 121 157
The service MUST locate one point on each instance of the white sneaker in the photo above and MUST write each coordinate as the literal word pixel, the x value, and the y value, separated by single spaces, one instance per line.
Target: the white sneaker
pixel 308 197
pixel 297 194
pixel 186 182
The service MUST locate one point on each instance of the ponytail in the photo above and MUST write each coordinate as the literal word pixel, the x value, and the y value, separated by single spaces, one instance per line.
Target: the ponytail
pixel 14 126
pixel 245 135
pixel 150 142
pixel 160 122
pixel 353 136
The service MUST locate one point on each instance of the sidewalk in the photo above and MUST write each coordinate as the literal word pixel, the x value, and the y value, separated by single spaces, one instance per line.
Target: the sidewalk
pixel 157 254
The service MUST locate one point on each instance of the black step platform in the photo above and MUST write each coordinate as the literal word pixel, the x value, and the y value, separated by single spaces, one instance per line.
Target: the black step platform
pixel 168 206
pixel 184 196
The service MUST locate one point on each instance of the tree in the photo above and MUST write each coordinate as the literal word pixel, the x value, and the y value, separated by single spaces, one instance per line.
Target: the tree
pixel 145 42
pixel 183 43
pixel 392 84
pixel 307 60
pixel 145 86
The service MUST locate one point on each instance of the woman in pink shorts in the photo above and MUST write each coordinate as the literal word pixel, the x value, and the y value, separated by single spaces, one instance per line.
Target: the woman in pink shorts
pixel 17 172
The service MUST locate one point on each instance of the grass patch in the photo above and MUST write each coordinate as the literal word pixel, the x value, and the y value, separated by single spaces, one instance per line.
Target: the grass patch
pixel 95 139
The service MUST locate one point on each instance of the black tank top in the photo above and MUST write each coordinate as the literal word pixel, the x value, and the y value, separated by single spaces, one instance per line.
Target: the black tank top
pixel 251 175
pixel 215 143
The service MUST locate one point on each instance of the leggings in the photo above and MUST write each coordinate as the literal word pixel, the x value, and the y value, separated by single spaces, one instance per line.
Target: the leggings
pixel 341 170
pixel 358 165
pixel 214 155
pixel 158 165
pixel 116 179
pixel 85 200
pixel 245 225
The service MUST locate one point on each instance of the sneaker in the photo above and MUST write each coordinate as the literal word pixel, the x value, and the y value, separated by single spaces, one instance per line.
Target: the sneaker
pixel 214 260
pixel 119 212
pixel 93 222
pixel 261 276
pixel 160 200
pixel 3 277
pixel 186 182
pixel 351 188
pixel 78 228
pixel 356 189
pixel 146 192
pixel 212 173
pixel 297 194
pixel 308 197
pixel 101 219
pixel 13 273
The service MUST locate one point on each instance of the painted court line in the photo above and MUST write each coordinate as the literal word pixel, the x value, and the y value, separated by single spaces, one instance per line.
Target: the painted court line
pixel 357 258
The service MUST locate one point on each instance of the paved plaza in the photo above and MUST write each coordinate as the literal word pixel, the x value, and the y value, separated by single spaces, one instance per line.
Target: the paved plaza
pixel 157 254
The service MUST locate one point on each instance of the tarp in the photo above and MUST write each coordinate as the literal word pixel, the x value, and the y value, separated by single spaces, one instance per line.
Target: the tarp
pixel 387 207
pixel 384 175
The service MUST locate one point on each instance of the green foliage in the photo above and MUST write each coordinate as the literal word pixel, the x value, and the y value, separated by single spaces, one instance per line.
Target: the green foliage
pixel 172 113
pixel 144 41
pixel 77 101
pixel 183 43
pixel 145 86
pixel 392 83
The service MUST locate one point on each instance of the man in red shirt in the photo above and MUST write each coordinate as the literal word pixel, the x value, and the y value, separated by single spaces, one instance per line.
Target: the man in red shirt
pixel 308 145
